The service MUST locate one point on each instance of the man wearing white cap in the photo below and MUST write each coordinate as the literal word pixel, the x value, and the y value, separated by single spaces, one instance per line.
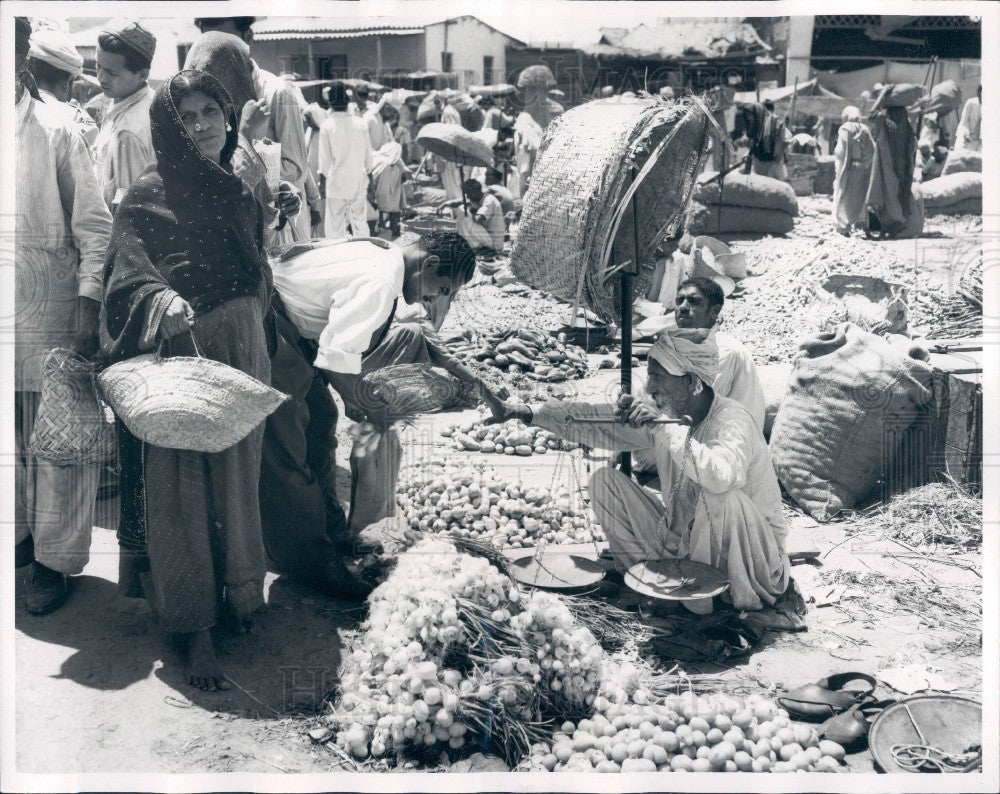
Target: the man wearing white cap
pixel 124 147
pixel 54 62
pixel 721 501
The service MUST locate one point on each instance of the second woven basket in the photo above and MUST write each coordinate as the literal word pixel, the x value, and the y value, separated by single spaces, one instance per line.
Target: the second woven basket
pixel 583 172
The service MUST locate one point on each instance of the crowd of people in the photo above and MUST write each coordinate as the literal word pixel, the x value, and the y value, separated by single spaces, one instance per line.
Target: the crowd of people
pixel 185 238
pixel 178 234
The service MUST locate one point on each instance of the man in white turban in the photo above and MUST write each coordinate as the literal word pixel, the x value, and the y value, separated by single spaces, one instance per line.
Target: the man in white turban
pixel 721 503
pixel 54 62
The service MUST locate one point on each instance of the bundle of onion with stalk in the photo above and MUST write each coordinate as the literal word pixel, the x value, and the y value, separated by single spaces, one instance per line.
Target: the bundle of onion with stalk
pixel 454 656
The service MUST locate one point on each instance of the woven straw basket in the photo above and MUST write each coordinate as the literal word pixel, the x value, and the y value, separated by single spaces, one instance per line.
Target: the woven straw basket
pixel 580 179
pixel 72 426
pixel 187 402
pixel 406 390
pixel 456 145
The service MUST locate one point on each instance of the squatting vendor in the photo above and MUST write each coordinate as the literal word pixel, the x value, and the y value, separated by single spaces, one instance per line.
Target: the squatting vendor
pixel 721 502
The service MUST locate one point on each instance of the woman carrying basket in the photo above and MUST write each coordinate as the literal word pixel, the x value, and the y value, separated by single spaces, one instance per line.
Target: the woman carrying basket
pixel 186 273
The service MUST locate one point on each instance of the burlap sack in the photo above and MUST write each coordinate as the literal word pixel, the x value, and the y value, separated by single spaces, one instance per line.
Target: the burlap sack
pixel 715 220
pixel 969 206
pixel 947 190
pixel 851 398
pixel 960 160
pixel 748 190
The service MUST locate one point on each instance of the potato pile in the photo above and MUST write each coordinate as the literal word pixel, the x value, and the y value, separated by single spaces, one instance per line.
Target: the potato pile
pixel 688 733
pixel 520 351
pixel 510 438
pixel 472 502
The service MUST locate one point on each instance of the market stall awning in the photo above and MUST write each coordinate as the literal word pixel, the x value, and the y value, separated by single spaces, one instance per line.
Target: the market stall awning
pixel 774 94
pixel 681 38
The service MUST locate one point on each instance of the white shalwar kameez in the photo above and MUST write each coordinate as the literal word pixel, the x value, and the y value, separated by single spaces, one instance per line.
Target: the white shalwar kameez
pixel 721 501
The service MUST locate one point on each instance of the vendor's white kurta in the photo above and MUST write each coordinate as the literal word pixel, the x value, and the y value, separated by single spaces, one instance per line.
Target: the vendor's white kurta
pixel 721 500
pixel 737 379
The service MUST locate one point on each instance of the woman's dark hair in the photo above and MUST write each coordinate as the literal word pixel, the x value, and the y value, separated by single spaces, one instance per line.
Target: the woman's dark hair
pixel 46 74
pixel 711 291
pixel 456 259
pixel 493 177
pixel 134 61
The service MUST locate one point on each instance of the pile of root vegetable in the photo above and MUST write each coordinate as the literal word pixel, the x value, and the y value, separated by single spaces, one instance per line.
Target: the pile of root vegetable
pixel 454 656
pixel 687 733
pixel 517 351
pixel 510 438
pixel 774 313
pixel 473 502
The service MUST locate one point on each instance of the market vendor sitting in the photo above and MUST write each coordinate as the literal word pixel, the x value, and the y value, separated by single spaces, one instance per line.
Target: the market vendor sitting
pixel 721 502
pixel 483 226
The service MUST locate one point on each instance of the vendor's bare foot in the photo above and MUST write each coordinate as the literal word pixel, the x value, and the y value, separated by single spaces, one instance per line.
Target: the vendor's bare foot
pixel 201 669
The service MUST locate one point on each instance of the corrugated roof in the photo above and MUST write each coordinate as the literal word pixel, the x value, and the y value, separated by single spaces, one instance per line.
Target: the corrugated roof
pixel 273 28
pixel 682 38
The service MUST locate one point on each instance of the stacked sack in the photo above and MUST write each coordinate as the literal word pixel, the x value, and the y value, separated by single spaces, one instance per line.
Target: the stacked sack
pixel 963 160
pixel 955 194
pixel 742 203
pixel 851 400
pixel 803 168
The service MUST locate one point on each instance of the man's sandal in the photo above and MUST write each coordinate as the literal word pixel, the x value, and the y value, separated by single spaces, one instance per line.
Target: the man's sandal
pixel 826 698
pixel 850 729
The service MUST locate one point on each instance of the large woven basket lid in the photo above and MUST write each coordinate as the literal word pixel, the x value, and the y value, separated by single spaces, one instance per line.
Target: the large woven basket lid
pixel 676 580
pixel 456 145
pixel 499 89
pixel 537 75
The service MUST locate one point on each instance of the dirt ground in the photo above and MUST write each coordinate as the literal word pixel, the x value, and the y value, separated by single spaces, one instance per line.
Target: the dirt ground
pixel 98 690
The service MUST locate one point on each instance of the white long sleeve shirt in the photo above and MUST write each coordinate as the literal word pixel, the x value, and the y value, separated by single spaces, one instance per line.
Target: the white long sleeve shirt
pixel 341 295
pixel 124 145
pixel 62 229
pixel 345 155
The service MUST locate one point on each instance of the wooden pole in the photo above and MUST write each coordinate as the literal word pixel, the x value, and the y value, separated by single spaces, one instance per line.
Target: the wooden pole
pixel 626 325
pixel 461 176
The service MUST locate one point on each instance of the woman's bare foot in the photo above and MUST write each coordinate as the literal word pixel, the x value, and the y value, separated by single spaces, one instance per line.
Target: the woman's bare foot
pixel 202 668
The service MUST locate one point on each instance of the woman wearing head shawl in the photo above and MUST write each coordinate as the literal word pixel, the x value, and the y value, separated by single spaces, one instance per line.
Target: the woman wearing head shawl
pixel 186 273
pixel 227 59
pixel 853 161
pixel 890 197
pixel 721 502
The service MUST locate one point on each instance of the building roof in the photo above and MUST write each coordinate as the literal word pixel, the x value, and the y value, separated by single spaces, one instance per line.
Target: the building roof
pixel 682 37
pixel 477 19
pixel 284 28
